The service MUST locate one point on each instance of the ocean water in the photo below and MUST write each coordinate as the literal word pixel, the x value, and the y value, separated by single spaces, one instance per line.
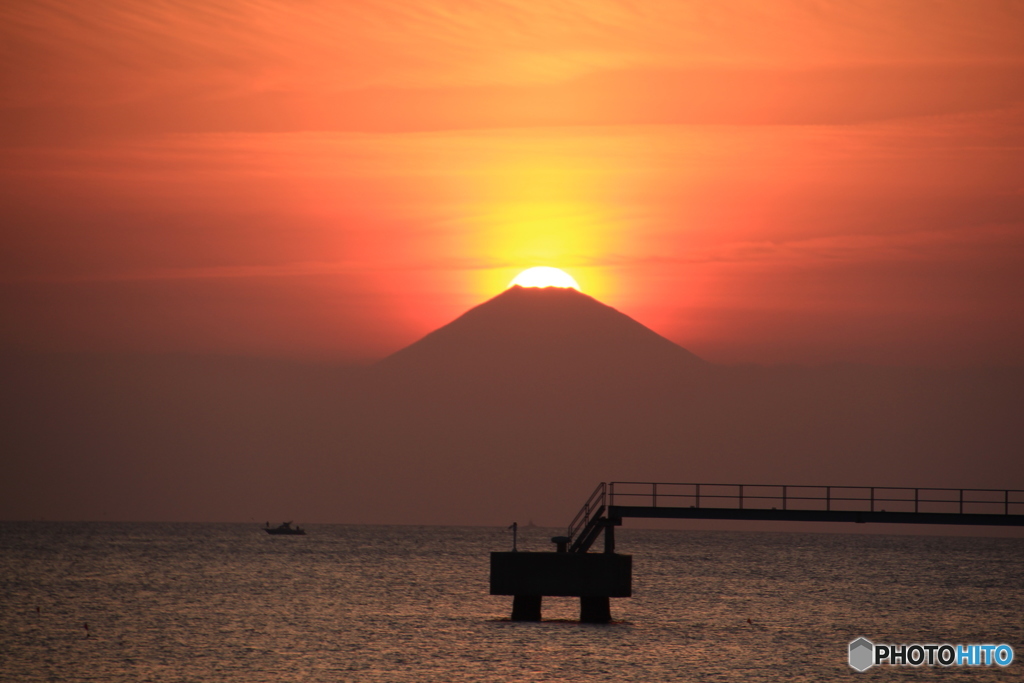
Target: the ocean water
pixel 195 602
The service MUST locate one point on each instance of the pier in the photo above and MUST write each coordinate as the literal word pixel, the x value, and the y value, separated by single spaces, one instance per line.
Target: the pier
pixel 595 577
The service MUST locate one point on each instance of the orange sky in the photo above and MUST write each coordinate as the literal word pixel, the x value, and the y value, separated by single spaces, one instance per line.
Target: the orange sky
pixel 796 182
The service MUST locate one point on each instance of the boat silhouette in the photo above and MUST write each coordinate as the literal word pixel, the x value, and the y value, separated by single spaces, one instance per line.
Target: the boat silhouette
pixel 286 529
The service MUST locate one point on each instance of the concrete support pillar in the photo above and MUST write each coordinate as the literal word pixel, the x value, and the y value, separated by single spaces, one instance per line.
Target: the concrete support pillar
pixel 609 538
pixel 595 610
pixel 526 607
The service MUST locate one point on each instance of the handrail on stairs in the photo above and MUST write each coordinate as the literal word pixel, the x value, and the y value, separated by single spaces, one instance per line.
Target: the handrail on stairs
pixel 587 518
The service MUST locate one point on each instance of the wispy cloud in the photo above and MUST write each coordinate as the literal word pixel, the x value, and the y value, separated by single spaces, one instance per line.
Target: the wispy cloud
pixel 260 65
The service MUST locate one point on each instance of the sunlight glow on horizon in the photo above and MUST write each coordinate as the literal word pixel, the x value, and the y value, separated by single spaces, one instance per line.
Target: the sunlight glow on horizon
pixel 544 276
pixel 541 196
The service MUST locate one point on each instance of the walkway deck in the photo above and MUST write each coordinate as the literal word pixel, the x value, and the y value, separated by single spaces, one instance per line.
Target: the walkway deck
pixel 612 502
pixel 595 578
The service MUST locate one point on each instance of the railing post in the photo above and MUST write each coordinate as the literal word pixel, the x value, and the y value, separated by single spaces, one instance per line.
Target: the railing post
pixel 741 496
pixel 915 499
pixel 698 494
pixel 872 498
pixel 784 497
pixel 1006 502
pixel 828 498
pixel 654 494
pixel 961 501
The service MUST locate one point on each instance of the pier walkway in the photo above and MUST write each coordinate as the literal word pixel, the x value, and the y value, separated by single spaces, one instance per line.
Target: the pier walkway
pixel 596 577
pixel 611 502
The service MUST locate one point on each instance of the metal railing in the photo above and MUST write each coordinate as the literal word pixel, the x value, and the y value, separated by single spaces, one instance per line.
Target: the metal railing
pixel 828 498
pixel 589 513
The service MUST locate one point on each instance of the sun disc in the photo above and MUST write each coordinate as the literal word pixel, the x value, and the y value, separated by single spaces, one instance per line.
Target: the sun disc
pixel 544 276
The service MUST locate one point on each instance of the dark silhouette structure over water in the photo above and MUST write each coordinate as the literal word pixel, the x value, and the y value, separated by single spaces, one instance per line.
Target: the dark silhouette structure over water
pixel 509 412
pixel 284 529
pixel 595 578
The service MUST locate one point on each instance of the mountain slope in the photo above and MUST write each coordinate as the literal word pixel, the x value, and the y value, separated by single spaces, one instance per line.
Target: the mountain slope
pixel 542 331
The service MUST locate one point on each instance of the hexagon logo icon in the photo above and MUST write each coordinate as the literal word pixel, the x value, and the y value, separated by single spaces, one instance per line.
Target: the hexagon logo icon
pixel 862 654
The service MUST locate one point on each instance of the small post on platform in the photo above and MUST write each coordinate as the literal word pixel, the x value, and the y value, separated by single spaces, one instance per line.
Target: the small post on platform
pixel 514 528
pixel 526 607
pixel 609 537
pixel 595 610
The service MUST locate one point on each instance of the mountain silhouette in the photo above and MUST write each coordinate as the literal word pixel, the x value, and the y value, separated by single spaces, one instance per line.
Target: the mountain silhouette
pixel 544 332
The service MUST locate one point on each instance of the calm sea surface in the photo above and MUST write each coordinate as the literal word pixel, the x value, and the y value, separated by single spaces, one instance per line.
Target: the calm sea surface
pixel 193 602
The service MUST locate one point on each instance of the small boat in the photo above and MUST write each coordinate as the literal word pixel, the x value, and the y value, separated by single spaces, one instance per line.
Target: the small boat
pixel 286 529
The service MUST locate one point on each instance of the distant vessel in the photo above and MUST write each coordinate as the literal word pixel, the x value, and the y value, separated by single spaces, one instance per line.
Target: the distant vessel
pixel 285 529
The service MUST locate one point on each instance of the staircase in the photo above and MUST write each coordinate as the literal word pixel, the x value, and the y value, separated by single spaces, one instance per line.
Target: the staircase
pixel 589 522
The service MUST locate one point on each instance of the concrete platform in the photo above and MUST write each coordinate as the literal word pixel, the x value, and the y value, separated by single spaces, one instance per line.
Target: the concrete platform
pixel 592 577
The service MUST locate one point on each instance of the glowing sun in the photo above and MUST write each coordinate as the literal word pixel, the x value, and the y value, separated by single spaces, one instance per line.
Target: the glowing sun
pixel 544 276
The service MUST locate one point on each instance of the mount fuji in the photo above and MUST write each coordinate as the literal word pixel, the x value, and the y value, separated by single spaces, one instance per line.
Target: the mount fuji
pixel 544 332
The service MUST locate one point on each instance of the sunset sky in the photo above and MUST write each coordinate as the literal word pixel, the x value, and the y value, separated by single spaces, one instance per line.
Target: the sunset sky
pixel 762 182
